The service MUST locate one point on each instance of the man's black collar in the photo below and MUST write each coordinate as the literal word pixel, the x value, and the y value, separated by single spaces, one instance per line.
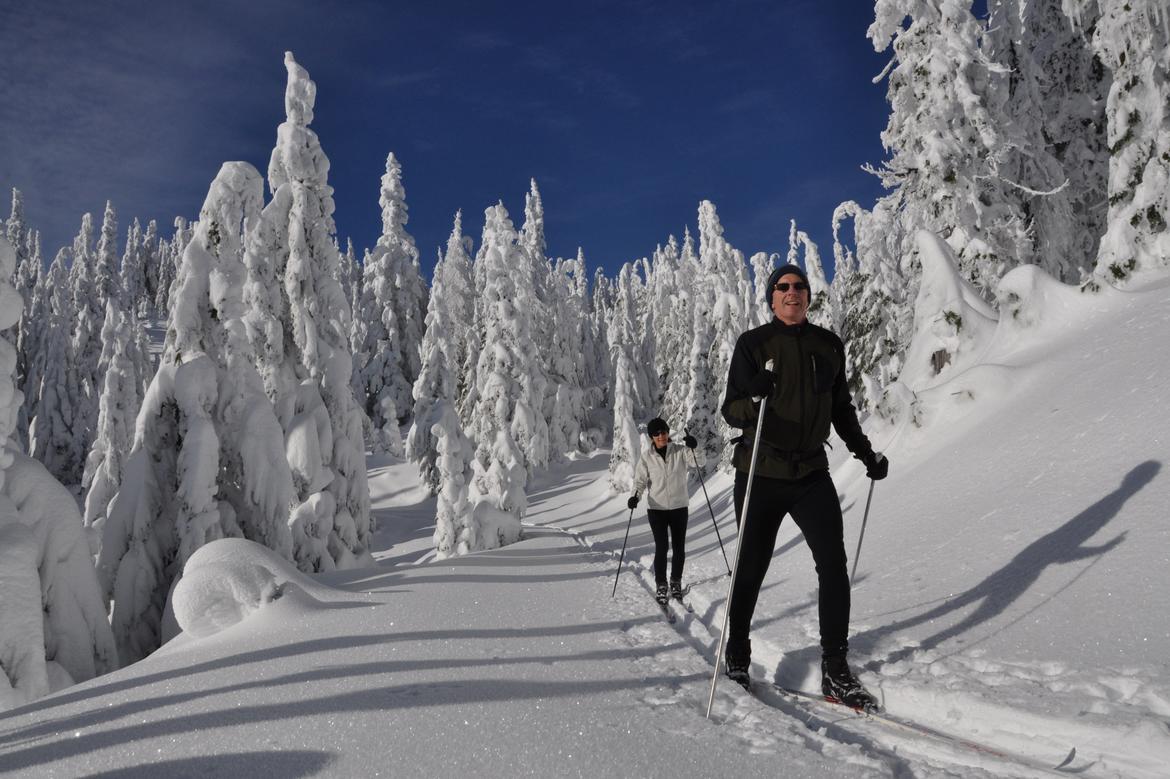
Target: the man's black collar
pixel 787 329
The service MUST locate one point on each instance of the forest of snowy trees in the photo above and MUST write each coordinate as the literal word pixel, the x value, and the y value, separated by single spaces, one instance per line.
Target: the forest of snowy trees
pixel 1039 135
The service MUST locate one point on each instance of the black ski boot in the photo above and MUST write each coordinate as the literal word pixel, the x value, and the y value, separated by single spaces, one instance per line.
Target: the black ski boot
pixel 839 684
pixel 663 595
pixel 738 661
pixel 676 589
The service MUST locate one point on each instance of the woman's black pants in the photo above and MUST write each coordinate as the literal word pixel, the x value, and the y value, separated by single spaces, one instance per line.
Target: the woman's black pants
pixel 673 521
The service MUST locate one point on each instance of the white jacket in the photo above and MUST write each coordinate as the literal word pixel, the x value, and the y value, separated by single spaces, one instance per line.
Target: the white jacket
pixel 665 480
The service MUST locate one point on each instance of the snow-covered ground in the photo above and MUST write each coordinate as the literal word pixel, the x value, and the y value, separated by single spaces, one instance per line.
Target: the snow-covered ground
pixel 1011 591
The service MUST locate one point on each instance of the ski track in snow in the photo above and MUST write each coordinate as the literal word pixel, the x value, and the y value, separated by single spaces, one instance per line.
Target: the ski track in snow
pixel 840 736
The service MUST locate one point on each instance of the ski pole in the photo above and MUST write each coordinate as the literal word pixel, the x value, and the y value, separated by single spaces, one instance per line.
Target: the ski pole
pixel 623 554
pixel 860 538
pixel 738 546
pixel 708 497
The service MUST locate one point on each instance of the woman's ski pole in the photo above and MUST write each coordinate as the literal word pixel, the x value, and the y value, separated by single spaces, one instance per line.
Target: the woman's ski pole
pixel 708 497
pixel 738 547
pixel 622 556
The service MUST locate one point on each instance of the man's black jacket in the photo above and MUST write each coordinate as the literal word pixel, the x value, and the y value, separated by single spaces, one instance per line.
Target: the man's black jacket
pixel 810 394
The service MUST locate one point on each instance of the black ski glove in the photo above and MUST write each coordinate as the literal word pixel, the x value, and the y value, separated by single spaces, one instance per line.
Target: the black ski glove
pixel 690 441
pixel 876 466
pixel 632 503
pixel 762 384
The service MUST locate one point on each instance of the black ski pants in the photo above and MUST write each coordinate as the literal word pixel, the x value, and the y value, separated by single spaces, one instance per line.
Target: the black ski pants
pixel 814 506
pixel 673 521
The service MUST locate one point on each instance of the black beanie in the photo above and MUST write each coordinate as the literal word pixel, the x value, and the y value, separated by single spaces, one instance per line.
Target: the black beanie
pixel 778 274
pixel 657 425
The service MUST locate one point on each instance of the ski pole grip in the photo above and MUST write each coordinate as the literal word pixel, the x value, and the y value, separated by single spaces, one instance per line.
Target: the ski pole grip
pixel 768 366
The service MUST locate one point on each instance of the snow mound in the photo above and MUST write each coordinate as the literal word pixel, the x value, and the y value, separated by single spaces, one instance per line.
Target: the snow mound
pixel 228 580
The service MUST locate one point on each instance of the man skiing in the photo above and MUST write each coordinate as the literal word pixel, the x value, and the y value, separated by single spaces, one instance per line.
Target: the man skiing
pixel 662 473
pixel 803 394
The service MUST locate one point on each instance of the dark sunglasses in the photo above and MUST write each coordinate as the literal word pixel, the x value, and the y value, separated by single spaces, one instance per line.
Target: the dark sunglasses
pixel 783 286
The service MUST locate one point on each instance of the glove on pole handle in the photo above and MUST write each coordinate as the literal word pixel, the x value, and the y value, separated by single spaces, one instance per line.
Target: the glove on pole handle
pixel 623 554
pixel 738 546
pixel 860 538
pixel 699 471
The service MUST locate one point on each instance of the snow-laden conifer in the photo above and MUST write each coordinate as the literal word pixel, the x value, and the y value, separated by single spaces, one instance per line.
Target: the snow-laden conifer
pixel 85 345
pixel 347 268
pixel 1132 39
pixel 598 370
pixel 823 306
pixel 132 278
pixel 945 140
pixel 626 439
pixel 719 297
pixel 1042 77
pixel 455 527
pixel 120 401
pixel 762 266
pixel 674 325
pixel 168 262
pixel 871 290
pixel 444 349
pixel 53 439
pixel 567 357
pixel 332 524
pixel 150 248
pixel 504 410
pixel 105 268
pixel 15 229
pixel 542 301
pixel 209 454
pixel 53 628
pixel 388 325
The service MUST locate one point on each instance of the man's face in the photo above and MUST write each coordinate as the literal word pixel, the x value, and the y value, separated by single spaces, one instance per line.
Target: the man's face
pixel 789 301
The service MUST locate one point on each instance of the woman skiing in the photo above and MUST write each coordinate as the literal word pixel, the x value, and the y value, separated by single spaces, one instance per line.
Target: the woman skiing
pixel 662 474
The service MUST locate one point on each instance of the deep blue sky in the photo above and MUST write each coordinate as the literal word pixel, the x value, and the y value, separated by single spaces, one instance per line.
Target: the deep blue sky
pixel 626 113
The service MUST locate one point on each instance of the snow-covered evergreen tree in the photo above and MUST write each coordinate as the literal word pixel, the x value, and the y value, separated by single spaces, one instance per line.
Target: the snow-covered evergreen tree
pixel 676 278
pixel 1132 39
pixel 53 628
pixel 347 268
pixel 541 304
pixel 168 261
pixel 209 454
pixel 16 230
pixel 388 326
pixel 324 433
pixel 876 317
pixel 626 439
pixel 132 279
pixel 504 410
pixel 944 139
pixel 1041 76
pixel 823 307
pixel 120 401
pixel 598 370
pixel 718 320
pixel 566 367
pixel 151 249
pixel 105 268
pixel 444 354
pixel 456 531
pixel 53 439
pixel 762 266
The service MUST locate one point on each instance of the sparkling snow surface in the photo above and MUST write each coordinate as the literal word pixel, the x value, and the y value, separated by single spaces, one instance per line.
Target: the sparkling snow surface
pixel 1011 590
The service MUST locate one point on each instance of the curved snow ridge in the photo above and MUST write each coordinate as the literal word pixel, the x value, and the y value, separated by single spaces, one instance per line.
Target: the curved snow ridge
pixel 228 580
